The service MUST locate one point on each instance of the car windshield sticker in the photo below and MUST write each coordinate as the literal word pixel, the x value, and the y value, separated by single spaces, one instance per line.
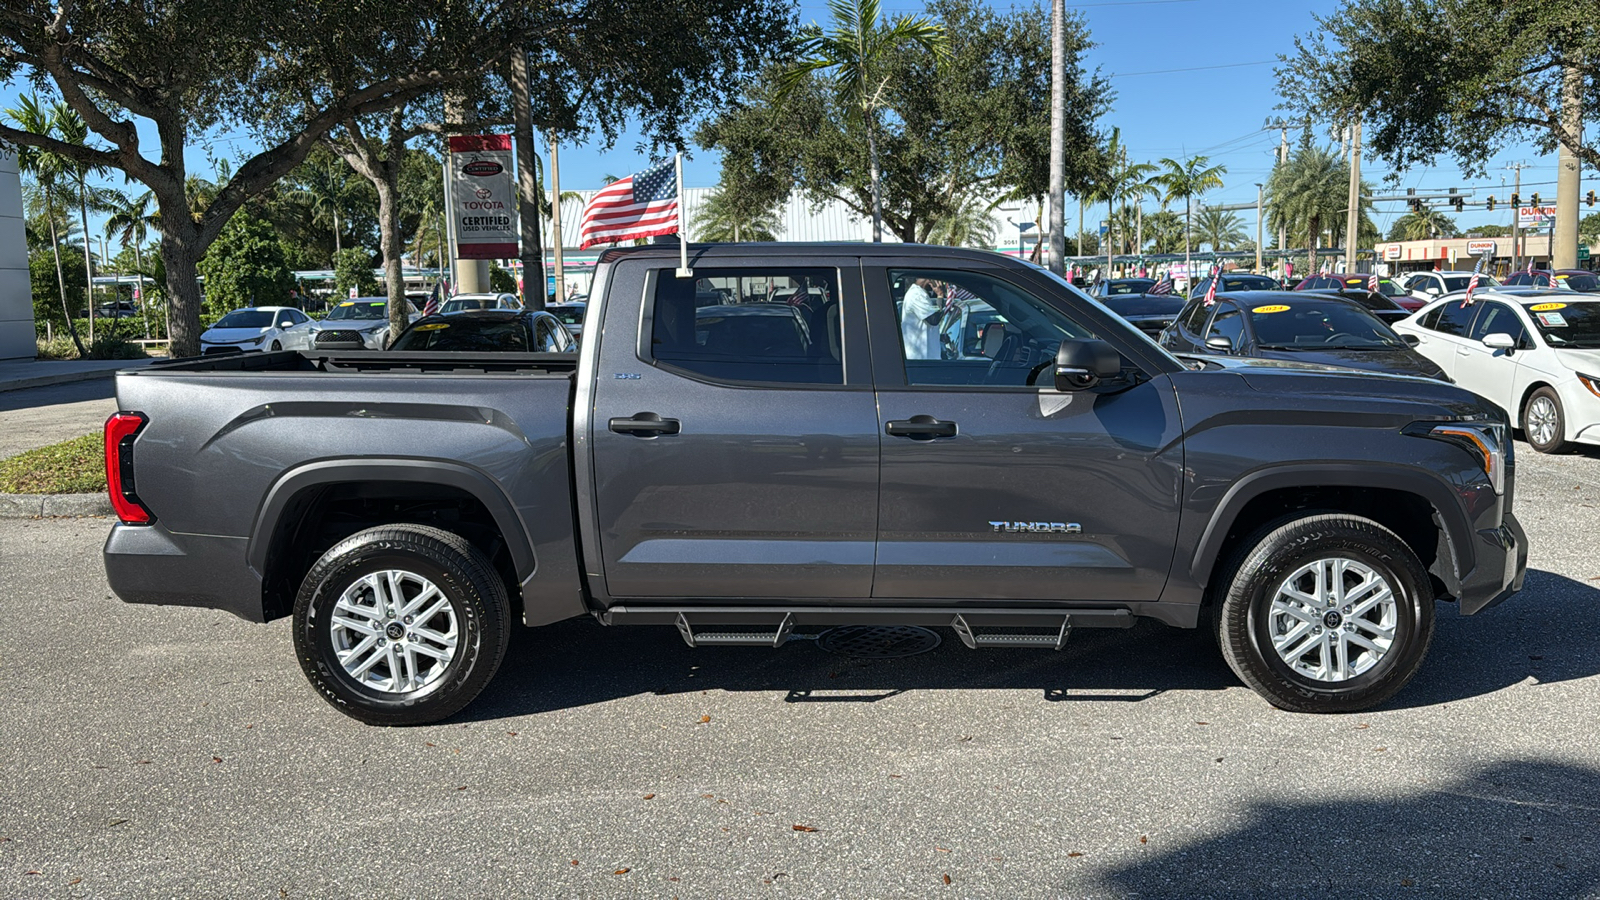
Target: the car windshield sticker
pixel 348 303
pixel 1547 307
pixel 433 326
pixel 1276 307
pixel 1552 320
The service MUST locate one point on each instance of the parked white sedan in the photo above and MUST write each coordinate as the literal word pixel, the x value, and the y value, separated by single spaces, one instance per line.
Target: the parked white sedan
pixel 1536 353
pixel 257 328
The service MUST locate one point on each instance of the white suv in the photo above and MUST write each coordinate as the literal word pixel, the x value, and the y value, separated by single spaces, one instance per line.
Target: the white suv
pixel 1535 353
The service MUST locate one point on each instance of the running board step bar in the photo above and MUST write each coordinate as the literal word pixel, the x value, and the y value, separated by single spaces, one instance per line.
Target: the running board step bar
pixel 736 638
pixel 973 640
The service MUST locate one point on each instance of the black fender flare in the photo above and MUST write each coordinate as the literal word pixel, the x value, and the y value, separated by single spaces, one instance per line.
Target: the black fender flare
pixel 1447 510
pixel 423 471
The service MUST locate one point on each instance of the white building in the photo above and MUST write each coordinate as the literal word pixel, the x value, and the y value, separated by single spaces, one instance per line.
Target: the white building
pixel 16 297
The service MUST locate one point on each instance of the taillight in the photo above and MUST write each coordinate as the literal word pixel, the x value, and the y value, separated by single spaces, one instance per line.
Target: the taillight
pixel 121 429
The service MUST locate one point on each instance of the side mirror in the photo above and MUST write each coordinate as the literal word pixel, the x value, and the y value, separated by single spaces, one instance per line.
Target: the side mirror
pixel 286 324
pixel 1411 340
pixel 1219 343
pixel 1499 341
pixel 1431 289
pixel 1081 365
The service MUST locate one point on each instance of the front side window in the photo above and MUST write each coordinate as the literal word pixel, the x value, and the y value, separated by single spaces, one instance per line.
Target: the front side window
pixel 1228 324
pixel 1195 318
pixel 770 325
pixel 967 328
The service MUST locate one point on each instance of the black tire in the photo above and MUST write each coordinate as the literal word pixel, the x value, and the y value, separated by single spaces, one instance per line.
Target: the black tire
pixel 1264 562
pixel 1557 442
pixel 277 345
pixel 477 602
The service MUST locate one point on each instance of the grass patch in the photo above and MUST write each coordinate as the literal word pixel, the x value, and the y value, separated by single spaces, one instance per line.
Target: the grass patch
pixel 77 466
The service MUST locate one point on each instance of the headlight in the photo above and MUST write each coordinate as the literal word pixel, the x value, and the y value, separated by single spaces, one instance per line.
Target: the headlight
pixel 1590 382
pixel 255 340
pixel 1486 441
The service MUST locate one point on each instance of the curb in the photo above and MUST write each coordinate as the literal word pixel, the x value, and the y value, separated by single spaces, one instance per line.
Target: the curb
pixel 36 506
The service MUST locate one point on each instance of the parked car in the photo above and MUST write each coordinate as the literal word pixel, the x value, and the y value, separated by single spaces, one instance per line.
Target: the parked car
pixel 740 480
pixel 467 302
pixel 1111 287
pixel 1580 280
pixel 116 309
pixel 258 328
pixel 1237 281
pixel 362 323
pixel 571 315
pixel 487 331
pixel 1423 288
pixel 1304 327
pixel 1535 354
pixel 1150 313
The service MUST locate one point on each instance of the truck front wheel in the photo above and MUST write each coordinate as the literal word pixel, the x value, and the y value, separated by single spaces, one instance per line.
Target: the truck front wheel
pixel 401 624
pixel 1325 613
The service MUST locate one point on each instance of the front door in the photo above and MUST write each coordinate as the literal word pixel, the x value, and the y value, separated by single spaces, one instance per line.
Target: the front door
pixel 995 486
pixel 1485 371
pixel 735 435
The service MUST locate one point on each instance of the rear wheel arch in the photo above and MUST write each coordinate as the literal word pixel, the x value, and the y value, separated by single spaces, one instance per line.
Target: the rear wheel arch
pixel 1421 510
pixel 313 505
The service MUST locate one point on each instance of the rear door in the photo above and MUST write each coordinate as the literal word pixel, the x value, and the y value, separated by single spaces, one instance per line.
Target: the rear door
pixel 734 432
pixel 994 485
pixel 1443 333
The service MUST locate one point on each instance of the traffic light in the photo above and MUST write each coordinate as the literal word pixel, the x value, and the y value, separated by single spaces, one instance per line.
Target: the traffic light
pixel 1589 199
pixel 1490 205
pixel 1535 199
pixel 1416 205
pixel 1516 200
pixel 1459 202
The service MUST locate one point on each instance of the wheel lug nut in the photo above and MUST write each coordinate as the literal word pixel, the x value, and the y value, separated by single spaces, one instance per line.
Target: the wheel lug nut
pixel 381 642
pixel 408 620
pixel 1347 609
pixel 1316 630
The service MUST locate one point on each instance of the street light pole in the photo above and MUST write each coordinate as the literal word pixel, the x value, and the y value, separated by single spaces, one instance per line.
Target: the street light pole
pixel 1258 227
pixel 1353 215
pixel 1058 137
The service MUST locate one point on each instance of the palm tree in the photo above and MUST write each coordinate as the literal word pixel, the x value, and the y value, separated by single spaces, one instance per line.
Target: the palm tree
pixel 1121 182
pixel 71 128
pixel 1164 230
pixel 1423 224
pixel 47 169
pixel 1221 229
pixel 1308 197
pixel 859 51
pixel 726 216
pixel 969 224
pixel 326 186
pixel 129 223
pixel 1188 179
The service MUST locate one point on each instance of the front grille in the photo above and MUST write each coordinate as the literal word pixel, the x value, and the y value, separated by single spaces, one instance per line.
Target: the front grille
pixel 342 338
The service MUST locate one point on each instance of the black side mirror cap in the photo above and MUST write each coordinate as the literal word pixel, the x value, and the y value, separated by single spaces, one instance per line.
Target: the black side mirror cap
pixel 1411 340
pixel 1082 364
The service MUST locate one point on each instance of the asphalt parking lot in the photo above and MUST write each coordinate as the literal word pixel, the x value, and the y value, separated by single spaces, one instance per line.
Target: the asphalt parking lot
pixel 44 415
pixel 180 752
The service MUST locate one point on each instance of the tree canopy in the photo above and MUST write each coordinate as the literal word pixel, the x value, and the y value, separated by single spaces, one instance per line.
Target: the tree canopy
pixel 979 126
pixel 245 267
pixel 1464 78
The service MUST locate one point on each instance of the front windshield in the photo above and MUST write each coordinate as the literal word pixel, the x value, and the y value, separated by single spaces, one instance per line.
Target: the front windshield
pixel 1572 326
pixel 360 309
pixel 245 318
pixel 1583 282
pixel 1320 326
pixel 468 334
pixel 569 315
pixel 1129 286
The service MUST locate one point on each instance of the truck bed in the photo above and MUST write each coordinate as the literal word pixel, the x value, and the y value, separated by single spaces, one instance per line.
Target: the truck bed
pixel 357 361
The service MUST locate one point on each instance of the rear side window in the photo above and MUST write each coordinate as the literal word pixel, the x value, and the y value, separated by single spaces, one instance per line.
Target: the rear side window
pixel 1454 318
pixel 773 326
pixel 1498 318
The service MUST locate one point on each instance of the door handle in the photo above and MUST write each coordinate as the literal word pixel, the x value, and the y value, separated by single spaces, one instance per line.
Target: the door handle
pixel 645 425
pixel 920 428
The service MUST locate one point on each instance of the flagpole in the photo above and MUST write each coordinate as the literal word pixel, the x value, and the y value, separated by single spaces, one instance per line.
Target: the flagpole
pixel 683 239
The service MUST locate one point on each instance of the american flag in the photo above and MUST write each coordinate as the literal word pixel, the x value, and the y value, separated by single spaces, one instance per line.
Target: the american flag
pixel 1372 283
pixel 431 308
pixel 1473 284
pixel 1164 286
pixel 1211 290
pixel 642 205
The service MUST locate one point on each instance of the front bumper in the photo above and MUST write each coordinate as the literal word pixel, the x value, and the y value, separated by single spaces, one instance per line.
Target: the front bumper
pixel 148 564
pixel 1502 565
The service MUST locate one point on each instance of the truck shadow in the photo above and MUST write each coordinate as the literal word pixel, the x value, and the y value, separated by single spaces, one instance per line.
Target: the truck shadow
pixel 1543 634
pixel 1516 828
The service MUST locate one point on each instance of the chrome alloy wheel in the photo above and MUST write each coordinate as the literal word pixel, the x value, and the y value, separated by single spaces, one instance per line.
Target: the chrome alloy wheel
pixel 1543 419
pixel 1333 619
pixel 394 631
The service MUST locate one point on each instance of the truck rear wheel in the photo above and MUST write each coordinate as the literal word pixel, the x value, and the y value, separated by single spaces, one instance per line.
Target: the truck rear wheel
pixel 1325 613
pixel 401 624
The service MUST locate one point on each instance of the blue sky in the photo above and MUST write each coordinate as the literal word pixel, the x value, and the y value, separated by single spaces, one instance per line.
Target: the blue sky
pixel 1215 105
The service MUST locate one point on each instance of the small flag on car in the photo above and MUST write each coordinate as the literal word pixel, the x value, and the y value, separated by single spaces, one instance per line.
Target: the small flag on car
pixel 644 204
pixel 1164 286
pixel 1372 283
pixel 431 308
pixel 1211 291
pixel 1473 284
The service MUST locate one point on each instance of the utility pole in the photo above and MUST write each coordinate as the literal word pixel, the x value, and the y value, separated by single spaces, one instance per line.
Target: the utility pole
pixel 1352 220
pixel 555 218
pixel 1058 137
pixel 1516 215
pixel 527 184
pixel 1564 242
pixel 1259 193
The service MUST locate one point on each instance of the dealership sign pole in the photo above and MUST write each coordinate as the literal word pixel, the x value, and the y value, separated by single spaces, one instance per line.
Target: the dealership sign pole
pixel 481 197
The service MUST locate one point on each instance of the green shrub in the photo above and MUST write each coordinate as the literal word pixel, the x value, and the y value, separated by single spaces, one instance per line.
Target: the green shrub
pixel 70 467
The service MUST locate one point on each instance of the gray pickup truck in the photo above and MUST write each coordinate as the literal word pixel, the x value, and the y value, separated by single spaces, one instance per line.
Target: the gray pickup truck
pixel 804 436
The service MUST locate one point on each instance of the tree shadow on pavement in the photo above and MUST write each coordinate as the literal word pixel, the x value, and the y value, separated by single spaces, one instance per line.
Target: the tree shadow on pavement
pixel 1545 632
pixel 1511 829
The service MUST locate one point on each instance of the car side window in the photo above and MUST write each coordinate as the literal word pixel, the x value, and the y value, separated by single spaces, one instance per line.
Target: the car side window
pixel 968 328
pixel 1228 323
pixel 775 325
pixel 1195 318
pixel 1455 319
pixel 1497 318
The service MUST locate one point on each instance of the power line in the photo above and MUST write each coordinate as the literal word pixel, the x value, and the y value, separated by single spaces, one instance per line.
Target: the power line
pixel 1264 62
